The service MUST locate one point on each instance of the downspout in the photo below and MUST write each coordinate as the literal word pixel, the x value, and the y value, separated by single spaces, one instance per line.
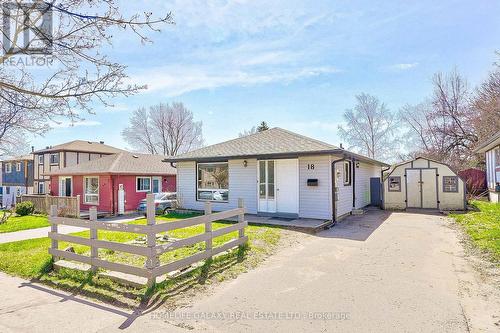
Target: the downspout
pixel 334 185
pixel 353 182
pixel 382 189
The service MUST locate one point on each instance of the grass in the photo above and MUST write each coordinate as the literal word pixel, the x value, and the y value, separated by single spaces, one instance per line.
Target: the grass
pixel 30 259
pixel 18 223
pixel 483 227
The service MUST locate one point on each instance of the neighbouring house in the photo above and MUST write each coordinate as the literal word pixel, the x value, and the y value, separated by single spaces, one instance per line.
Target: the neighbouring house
pixel 65 155
pixel 17 179
pixel 278 173
pixel 491 149
pixel 423 183
pixel 116 183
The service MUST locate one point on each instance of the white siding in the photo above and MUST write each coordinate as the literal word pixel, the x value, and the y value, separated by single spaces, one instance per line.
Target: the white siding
pixel 315 201
pixel 242 184
pixel 362 182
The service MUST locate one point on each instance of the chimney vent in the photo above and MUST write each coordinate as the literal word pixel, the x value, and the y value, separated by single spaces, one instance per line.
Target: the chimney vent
pixel 341 147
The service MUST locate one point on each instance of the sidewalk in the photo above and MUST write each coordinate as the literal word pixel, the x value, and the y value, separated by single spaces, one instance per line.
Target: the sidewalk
pixel 62 229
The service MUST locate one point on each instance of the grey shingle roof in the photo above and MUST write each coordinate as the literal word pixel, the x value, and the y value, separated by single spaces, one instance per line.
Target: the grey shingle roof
pixel 120 164
pixel 275 141
pixel 82 146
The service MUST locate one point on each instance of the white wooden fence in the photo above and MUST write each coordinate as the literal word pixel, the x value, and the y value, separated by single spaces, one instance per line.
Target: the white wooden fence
pixel 153 268
pixel 67 206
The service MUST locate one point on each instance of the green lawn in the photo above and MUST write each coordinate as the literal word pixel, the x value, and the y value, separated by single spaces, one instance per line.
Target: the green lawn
pixel 483 227
pixel 30 259
pixel 17 223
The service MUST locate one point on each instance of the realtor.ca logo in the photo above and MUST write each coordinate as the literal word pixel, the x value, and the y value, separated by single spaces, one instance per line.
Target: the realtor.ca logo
pixel 26 30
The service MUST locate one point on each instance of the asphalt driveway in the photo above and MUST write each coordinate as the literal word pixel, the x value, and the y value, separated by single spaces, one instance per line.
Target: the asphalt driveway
pixel 379 272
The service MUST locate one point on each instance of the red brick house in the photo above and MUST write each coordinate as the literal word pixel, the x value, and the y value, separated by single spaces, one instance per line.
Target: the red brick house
pixel 114 183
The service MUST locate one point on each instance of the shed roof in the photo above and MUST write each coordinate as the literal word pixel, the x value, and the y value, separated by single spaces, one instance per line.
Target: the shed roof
pixel 275 142
pixel 488 144
pixel 124 163
pixel 82 146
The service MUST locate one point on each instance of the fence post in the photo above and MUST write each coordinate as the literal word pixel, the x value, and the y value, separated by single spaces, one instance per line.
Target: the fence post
pixel 241 217
pixel 208 226
pixel 78 206
pixel 94 251
pixel 46 206
pixel 152 261
pixel 53 228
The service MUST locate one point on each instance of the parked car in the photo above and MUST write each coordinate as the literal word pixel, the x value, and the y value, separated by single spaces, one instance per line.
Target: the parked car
pixel 163 202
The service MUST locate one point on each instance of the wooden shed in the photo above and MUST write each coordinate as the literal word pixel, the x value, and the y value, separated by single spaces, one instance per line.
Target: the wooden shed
pixel 423 183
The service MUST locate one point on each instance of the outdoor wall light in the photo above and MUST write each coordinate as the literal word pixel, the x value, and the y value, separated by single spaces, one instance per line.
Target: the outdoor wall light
pixel 245 163
pixel 357 164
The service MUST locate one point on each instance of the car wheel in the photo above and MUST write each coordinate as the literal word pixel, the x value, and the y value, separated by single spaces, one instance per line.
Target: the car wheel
pixel 166 211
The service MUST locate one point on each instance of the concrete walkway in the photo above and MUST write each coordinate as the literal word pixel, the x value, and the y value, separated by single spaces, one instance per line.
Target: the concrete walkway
pixel 380 272
pixel 63 229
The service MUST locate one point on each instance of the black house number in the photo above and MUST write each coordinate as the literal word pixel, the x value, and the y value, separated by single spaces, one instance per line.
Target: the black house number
pixel 310 166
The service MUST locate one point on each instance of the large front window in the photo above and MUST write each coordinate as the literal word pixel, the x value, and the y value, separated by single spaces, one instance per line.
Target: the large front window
pixel 213 181
pixel 91 190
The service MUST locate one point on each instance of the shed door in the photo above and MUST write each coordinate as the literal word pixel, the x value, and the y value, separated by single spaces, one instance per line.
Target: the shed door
pixel 375 191
pixel 429 188
pixel 413 189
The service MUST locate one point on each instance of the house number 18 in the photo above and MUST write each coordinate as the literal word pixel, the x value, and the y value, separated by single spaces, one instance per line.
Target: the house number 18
pixel 310 166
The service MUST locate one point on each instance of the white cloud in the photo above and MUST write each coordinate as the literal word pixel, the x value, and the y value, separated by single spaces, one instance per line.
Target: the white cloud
pixel 404 67
pixel 175 81
pixel 82 123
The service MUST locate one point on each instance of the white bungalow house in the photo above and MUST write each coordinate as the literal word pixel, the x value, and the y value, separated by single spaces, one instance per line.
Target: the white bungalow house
pixel 491 149
pixel 278 173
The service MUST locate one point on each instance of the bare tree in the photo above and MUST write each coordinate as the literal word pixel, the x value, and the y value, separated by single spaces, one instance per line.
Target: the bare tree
pixel 442 128
pixel 76 72
pixel 250 131
pixel 140 133
pixel 164 129
pixel 370 128
pixel 486 103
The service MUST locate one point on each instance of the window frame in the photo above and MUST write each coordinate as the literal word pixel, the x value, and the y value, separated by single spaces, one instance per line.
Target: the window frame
pixel 18 167
pixel 85 194
pixel 8 167
pixel 389 183
pixel 137 185
pixel 40 159
pixel 42 186
pixel 347 166
pixel 456 183
pixel 212 190
pixel 50 158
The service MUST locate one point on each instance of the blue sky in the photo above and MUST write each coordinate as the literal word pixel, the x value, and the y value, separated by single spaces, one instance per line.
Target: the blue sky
pixel 295 64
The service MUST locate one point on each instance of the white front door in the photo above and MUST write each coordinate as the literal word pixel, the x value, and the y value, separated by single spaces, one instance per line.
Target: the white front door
pixel 266 186
pixel 287 186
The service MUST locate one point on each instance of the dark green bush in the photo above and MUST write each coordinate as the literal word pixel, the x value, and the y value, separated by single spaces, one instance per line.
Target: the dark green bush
pixel 25 208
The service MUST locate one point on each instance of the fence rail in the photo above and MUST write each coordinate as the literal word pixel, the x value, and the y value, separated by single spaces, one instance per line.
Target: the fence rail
pixel 153 268
pixel 67 206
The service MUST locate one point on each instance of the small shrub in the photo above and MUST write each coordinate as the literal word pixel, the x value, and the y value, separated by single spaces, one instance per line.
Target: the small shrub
pixel 25 208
